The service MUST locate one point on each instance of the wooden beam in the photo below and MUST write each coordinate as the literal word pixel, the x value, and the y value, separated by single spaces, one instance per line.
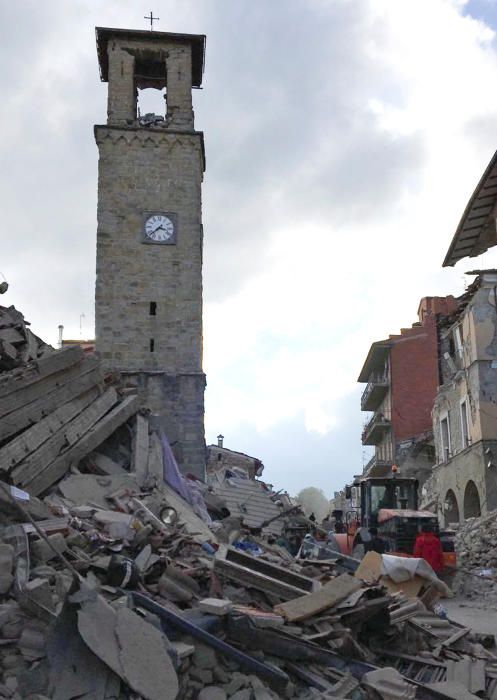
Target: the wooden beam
pixel 54 362
pixel 100 432
pixel 139 459
pixel 22 418
pixel 313 603
pixel 85 414
pixel 37 389
pixel 30 440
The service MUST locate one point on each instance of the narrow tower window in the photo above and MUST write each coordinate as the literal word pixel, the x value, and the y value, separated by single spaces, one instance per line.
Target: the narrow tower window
pixel 152 345
pixel 153 308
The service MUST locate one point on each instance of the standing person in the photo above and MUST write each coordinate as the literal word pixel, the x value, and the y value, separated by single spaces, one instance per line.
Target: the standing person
pixel 376 543
pixel 429 548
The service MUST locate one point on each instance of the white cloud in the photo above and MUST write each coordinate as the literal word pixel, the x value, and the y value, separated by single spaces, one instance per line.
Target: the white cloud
pixel 343 141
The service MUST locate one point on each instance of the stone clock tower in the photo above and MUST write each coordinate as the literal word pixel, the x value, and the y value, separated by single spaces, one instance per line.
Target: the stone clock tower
pixel 149 238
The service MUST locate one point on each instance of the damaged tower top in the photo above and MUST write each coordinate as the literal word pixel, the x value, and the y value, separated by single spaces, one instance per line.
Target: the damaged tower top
pixel 133 59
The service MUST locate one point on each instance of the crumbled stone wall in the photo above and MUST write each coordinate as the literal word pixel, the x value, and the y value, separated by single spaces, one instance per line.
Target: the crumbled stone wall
pixel 221 457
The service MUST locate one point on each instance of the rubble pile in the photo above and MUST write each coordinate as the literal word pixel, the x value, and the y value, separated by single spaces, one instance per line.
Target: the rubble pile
pixel 122 579
pixel 476 546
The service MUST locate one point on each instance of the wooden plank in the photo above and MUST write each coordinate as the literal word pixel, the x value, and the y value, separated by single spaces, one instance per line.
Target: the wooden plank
pixel 139 460
pixel 369 570
pixel 27 442
pixel 101 464
pixel 100 432
pixel 253 579
pixel 67 436
pixel 90 374
pixel 37 390
pixel 313 603
pixel 51 363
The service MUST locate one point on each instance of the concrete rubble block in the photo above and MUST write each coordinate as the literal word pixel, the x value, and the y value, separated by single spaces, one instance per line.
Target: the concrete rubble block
pixel 182 650
pixel 42 551
pixel 204 656
pixel 215 606
pixel 174 591
pixel 85 489
pixel 37 597
pixel 117 525
pixel 202 675
pixel 237 682
pixel 6 558
pixel 389 683
pixel 131 647
pixel 212 692
pixel 6 581
pixel 33 640
pixel 245 694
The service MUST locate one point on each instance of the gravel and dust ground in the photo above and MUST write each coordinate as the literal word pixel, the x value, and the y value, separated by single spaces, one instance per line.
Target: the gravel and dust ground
pixel 472 614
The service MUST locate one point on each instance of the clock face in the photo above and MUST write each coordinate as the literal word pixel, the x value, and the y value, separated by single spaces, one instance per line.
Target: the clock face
pixel 159 228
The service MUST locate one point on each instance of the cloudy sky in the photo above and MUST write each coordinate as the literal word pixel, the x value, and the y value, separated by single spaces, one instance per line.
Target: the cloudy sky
pixel 343 140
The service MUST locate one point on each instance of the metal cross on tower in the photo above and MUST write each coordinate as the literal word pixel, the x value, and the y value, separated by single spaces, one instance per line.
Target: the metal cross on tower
pixel 152 19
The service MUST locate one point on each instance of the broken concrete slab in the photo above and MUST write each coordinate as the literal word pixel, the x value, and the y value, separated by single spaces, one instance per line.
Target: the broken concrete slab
pixel 313 603
pixel 131 647
pixel 212 692
pixel 144 657
pixel 389 683
pixel 82 489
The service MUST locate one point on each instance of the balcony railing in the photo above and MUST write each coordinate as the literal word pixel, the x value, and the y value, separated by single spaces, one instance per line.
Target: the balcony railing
pixel 375 429
pixel 375 391
pixel 377 467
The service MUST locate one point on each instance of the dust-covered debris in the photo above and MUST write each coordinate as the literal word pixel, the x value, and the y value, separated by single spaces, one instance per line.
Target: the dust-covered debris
pixel 114 585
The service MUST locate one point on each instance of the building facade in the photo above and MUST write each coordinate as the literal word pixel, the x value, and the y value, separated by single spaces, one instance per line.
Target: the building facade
pixel 220 459
pixel 149 238
pixel 401 375
pixel 465 408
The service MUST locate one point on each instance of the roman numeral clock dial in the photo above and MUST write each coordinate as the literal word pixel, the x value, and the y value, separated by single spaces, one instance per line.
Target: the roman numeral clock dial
pixel 159 228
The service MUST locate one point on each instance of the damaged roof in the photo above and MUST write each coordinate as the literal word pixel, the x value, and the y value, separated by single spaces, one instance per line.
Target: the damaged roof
pixel 251 501
pixel 476 231
pixel 375 359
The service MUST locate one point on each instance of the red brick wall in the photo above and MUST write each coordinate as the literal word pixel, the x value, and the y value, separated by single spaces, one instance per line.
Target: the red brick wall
pixel 414 379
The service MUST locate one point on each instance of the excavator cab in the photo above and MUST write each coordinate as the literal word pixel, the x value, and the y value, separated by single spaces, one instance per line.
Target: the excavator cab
pixel 390 504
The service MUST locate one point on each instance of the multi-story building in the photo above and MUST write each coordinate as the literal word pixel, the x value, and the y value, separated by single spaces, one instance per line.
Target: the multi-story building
pixel 465 407
pixel 401 377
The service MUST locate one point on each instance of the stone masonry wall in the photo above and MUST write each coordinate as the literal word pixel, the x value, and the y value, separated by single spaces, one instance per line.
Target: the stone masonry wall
pixel 142 170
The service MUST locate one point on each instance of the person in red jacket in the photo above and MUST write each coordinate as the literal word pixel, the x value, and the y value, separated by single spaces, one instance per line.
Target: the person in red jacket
pixel 429 548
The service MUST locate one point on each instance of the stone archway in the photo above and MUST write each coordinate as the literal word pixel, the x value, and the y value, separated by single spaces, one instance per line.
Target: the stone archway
pixel 451 509
pixel 472 508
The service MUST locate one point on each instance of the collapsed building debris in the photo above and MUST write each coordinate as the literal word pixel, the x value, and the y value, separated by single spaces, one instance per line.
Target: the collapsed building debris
pixel 122 579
